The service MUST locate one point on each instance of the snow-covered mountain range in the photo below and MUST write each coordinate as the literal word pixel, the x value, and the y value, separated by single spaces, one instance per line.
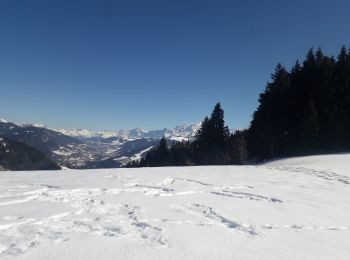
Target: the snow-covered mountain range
pixel 179 133
pixel 81 148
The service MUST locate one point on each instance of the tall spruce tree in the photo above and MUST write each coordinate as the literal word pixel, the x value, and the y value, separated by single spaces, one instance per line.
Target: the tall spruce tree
pixel 210 144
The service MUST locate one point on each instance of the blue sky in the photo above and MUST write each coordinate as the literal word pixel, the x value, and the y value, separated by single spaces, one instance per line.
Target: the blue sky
pixel 152 64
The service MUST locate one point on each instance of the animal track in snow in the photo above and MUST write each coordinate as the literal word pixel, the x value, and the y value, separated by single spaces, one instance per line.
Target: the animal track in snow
pixel 305 227
pixel 327 175
pixel 147 231
pixel 244 195
pixel 98 219
pixel 47 186
pixel 195 181
pixel 159 189
pixel 88 215
pixel 209 213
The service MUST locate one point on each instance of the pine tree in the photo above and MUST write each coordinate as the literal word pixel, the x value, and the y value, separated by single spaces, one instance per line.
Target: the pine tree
pixel 162 153
pixel 163 146
pixel 219 136
pixel 210 144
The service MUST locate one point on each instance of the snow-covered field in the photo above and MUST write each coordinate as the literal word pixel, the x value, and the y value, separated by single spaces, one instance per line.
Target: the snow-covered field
pixel 288 209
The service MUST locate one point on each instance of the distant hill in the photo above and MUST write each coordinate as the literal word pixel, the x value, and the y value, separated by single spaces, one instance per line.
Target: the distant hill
pixel 18 156
pixel 41 138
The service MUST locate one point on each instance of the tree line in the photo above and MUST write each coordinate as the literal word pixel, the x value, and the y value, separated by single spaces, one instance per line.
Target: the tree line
pixel 302 111
pixel 305 110
pixel 213 144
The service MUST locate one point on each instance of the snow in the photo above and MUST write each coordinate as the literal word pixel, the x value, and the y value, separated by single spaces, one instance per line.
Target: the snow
pixel 178 138
pixel 62 152
pixel 295 208
pixel 39 125
pixel 185 131
pixel 3 120
pixel 138 156
pixel 76 132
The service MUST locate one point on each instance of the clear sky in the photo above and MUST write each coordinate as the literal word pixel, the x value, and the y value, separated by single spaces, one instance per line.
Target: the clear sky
pixel 152 64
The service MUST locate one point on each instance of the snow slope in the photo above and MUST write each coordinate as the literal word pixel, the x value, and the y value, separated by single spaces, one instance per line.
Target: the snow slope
pixel 288 209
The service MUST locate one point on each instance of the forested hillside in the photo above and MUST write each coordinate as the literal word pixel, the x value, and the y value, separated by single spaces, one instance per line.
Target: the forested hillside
pixel 305 110
pixel 302 111
pixel 18 156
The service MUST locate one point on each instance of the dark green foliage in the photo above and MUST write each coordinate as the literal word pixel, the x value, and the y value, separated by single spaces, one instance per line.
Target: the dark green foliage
pixel 304 111
pixel 18 156
pixel 238 152
pixel 181 154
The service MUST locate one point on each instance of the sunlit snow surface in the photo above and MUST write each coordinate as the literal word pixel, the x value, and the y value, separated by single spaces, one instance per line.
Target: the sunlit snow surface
pixel 288 209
